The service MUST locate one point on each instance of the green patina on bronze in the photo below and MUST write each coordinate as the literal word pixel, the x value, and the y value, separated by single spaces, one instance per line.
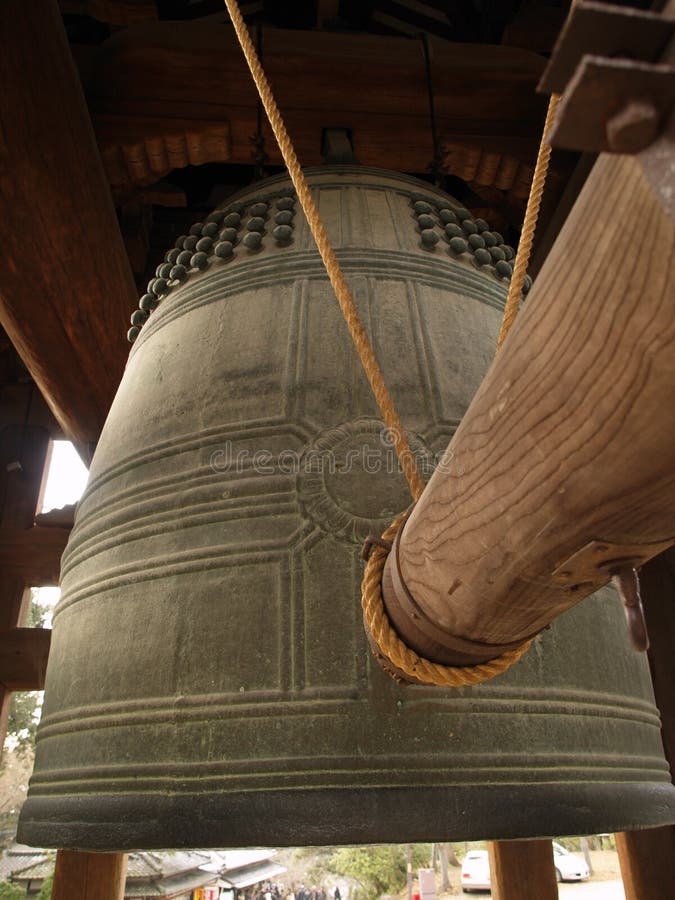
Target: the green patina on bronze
pixel 209 682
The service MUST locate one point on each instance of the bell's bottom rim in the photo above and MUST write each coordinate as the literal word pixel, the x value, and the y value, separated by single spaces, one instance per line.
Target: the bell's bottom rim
pixel 344 816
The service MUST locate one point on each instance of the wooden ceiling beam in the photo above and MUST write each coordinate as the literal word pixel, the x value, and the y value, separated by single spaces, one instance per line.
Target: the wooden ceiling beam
pixel 66 288
pixel 172 79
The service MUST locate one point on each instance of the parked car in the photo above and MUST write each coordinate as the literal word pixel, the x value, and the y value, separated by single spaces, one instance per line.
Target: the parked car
pixel 476 868
pixel 568 866
pixel 476 871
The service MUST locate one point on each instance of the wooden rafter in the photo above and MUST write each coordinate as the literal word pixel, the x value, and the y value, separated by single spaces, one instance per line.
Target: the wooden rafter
pixel 152 86
pixel 66 288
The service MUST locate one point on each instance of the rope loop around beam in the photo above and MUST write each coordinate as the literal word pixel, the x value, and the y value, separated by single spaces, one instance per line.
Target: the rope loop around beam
pixel 415 667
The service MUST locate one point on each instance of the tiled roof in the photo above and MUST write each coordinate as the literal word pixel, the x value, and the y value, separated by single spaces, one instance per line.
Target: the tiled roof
pixel 243 877
pixel 169 887
pixel 19 857
pixel 41 869
pixel 158 865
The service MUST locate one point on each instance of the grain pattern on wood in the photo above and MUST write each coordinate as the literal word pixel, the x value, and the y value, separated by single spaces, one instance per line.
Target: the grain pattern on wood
pixel 485 96
pixel 23 658
pixel 646 860
pixel 522 870
pixel 568 440
pixel 79 875
pixel 66 289
pixel 140 151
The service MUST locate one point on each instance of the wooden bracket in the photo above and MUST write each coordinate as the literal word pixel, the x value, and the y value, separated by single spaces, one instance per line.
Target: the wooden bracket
pixel 614 106
pixel 595 564
pixel 615 98
pixel 614 32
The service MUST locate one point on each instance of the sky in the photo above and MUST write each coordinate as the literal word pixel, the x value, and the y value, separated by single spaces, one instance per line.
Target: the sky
pixel 65 483
pixel 66 478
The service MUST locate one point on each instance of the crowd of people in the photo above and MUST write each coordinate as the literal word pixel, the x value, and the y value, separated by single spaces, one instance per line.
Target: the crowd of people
pixel 275 891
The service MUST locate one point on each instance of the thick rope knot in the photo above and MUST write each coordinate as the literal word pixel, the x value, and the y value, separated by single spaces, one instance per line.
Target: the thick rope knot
pixel 409 662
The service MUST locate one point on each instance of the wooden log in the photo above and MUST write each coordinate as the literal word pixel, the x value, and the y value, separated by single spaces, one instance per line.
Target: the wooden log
pixel 66 289
pixel 522 870
pixel 565 460
pixel 23 658
pixel 646 860
pixel 80 875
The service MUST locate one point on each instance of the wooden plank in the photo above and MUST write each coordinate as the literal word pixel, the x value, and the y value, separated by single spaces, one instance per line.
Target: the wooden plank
pixel 23 658
pixel 565 448
pixel 522 870
pixel 66 289
pixel 33 554
pixel 646 860
pixel 79 875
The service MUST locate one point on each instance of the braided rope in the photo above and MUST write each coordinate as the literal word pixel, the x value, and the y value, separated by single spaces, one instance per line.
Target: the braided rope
pixel 409 662
pixel 342 292
pixel 406 660
pixel 529 224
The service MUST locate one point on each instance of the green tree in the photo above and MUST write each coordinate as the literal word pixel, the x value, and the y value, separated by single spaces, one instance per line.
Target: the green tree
pixel 9 891
pixel 23 710
pixel 45 892
pixel 377 869
pixel 22 722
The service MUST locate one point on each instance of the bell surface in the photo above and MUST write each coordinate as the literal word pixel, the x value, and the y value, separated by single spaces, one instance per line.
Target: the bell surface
pixel 209 682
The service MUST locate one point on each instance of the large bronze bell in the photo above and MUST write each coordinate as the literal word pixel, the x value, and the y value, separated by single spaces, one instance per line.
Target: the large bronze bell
pixel 209 682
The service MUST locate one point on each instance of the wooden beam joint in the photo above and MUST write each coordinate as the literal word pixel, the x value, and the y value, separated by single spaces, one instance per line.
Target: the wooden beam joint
pixel 23 658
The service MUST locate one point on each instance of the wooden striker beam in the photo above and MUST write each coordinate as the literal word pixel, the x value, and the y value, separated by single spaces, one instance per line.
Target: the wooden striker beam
pixel 565 460
pixel 66 289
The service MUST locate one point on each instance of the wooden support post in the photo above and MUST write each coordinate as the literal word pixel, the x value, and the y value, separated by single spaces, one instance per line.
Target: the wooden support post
pixel 646 859
pixel 657 581
pixel 80 875
pixel 23 658
pixel 522 870
pixel 66 289
pixel 33 553
pixel 565 459
pixel 23 451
